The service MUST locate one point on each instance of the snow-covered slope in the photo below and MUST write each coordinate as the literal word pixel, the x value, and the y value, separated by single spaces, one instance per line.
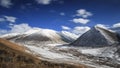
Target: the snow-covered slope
pixel 63 54
pixel 101 44
pixel 50 45
pixel 9 35
pixel 96 37
pixel 70 37
pixel 39 35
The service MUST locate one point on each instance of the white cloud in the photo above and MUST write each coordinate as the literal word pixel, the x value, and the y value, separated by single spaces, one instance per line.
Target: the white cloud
pixel 83 13
pixel 20 28
pixel 81 20
pixel 116 25
pixel 44 2
pixel 65 28
pixel 103 26
pixel 62 14
pixel 79 30
pixel 10 18
pixel 5 3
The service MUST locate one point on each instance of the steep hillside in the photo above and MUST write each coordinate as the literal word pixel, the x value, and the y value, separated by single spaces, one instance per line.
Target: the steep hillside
pixel 100 46
pixel 15 56
pixel 40 36
pixel 97 37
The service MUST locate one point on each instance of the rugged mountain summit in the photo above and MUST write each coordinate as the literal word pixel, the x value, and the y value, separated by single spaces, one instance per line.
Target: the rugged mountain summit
pixel 97 36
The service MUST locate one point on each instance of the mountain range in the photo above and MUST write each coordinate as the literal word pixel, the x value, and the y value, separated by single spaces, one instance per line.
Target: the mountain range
pixel 41 35
pixel 96 48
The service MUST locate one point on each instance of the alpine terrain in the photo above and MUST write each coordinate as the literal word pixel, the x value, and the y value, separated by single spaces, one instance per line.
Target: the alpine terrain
pixel 45 48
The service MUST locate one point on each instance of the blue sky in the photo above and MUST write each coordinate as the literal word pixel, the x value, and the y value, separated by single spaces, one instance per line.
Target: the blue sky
pixel 58 14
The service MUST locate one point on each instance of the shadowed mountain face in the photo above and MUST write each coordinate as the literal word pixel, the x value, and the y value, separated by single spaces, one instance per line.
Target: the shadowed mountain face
pixel 97 37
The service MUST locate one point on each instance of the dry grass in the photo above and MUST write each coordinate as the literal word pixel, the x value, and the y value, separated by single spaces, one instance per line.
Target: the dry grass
pixel 12 45
pixel 14 56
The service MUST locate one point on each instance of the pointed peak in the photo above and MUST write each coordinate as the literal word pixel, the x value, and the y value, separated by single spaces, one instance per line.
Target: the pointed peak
pixel 97 36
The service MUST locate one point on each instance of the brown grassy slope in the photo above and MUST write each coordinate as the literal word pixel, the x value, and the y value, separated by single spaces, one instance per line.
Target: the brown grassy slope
pixel 14 56
pixel 12 45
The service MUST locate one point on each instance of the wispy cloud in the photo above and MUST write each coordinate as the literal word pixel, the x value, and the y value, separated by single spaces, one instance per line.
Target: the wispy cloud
pixel 10 19
pixel 62 14
pixel 6 3
pixel 83 13
pixel 81 20
pixel 44 2
pixel 65 28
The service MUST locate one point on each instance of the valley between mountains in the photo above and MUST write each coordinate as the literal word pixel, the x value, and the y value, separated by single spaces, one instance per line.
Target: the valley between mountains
pixel 45 48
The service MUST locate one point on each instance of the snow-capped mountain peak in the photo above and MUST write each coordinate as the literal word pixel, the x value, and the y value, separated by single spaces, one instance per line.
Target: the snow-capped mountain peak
pixel 45 32
pixel 34 30
pixel 41 35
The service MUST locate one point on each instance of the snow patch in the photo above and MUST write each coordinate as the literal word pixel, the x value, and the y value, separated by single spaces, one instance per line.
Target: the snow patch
pixel 90 51
pixel 34 30
pixel 54 45
pixel 44 52
pixel 9 35
pixel 69 35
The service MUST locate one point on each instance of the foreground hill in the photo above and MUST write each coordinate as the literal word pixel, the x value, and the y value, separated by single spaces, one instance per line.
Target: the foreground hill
pixel 15 56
